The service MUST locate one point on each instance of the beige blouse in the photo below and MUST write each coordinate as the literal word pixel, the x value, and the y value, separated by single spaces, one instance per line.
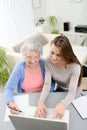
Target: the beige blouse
pixel 66 77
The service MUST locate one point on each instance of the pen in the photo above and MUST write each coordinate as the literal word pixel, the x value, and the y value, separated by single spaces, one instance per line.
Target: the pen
pixel 14 109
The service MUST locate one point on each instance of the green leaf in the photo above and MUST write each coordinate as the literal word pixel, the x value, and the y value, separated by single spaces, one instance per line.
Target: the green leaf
pixel 4 69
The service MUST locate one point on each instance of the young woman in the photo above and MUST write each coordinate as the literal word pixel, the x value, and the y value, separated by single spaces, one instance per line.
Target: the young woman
pixel 63 66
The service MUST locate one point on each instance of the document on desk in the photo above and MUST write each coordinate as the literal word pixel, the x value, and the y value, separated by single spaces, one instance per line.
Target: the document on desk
pixel 81 106
pixel 22 101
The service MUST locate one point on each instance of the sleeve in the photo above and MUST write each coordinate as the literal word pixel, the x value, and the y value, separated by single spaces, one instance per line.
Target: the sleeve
pixel 47 83
pixel 72 85
pixel 12 84
pixel 42 65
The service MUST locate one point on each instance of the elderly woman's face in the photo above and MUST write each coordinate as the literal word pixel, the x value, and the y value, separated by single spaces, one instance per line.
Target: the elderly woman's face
pixel 32 58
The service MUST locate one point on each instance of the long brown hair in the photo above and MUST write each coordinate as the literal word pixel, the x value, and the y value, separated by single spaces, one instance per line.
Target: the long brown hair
pixel 67 52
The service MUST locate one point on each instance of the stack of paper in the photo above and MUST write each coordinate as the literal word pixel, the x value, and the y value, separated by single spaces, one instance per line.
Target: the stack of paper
pixel 22 101
pixel 81 106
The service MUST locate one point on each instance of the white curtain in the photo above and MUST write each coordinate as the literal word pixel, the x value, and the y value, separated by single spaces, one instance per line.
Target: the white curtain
pixel 16 20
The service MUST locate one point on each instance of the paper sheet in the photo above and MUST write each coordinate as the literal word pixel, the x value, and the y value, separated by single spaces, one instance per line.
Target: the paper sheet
pixel 81 106
pixel 22 101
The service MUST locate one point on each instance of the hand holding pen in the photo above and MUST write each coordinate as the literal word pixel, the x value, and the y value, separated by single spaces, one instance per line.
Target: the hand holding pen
pixel 13 108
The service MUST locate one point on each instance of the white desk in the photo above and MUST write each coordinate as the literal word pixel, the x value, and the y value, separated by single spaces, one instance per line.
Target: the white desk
pixel 76 122
pixel 80 51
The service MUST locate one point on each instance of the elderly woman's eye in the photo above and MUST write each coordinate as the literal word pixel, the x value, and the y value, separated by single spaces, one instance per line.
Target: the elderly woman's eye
pixel 28 57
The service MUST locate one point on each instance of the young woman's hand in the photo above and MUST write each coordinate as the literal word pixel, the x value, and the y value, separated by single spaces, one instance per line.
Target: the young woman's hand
pixel 41 110
pixel 59 111
pixel 13 105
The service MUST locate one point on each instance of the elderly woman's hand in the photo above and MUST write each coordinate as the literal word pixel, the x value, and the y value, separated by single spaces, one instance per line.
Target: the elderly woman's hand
pixel 59 111
pixel 41 110
pixel 13 105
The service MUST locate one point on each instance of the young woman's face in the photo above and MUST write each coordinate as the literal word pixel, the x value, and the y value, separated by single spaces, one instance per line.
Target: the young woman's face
pixel 32 58
pixel 55 54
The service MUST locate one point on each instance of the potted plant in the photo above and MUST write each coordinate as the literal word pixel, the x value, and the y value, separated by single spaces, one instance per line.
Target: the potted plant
pixel 4 69
pixel 52 20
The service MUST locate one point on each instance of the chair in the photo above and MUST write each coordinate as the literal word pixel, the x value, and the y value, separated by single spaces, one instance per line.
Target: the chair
pixel 84 68
pixel 84 79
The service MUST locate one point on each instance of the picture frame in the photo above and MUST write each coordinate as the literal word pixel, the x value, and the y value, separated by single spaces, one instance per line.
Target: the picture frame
pixel 74 1
pixel 36 4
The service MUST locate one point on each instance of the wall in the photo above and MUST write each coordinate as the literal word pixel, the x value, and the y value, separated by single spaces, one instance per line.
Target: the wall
pixel 16 20
pixel 75 13
pixel 40 11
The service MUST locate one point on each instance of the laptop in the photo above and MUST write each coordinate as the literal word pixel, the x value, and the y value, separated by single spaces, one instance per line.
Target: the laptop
pixel 34 123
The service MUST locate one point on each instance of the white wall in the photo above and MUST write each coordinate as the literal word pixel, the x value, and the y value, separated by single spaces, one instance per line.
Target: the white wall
pixel 40 11
pixel 16 20
pixel 75 13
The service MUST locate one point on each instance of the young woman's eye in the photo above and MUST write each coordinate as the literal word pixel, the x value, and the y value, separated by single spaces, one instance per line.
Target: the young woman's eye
pixel 52 52
pixel 58 55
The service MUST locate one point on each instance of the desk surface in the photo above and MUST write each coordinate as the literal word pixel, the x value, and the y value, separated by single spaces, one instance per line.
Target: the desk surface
pixel 76 122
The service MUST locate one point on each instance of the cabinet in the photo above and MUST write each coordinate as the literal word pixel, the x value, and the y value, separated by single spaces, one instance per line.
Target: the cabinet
pixel 75 38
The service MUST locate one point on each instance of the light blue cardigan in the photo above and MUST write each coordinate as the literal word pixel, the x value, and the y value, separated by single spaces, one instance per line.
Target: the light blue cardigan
pixel 16 78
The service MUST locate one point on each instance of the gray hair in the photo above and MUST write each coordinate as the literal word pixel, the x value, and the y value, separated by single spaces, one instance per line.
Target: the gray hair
pixel 31 45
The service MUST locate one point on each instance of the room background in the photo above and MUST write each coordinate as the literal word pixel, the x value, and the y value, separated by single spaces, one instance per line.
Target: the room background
pixel 16 21
pixel 66 11
pixel 18 17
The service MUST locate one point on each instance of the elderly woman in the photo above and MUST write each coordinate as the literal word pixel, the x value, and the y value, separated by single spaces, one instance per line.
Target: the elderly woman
pixel 28 75
pixel 63 66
